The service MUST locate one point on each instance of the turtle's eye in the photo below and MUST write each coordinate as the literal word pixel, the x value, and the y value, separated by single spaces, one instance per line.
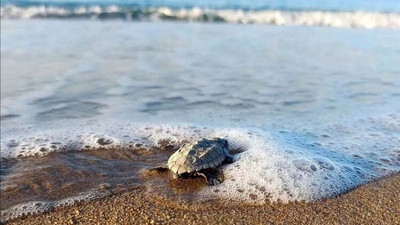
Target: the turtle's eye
pixel 224 143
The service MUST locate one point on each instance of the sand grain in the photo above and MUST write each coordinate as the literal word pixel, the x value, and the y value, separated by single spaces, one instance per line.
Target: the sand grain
pixel 374 203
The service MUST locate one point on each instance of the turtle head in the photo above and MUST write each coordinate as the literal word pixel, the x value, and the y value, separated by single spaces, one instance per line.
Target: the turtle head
pixel 223 142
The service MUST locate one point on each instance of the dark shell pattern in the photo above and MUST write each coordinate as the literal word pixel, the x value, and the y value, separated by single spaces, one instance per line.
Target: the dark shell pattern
pixel 196 156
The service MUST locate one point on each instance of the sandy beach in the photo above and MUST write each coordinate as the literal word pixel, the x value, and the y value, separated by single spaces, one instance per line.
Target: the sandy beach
pixel 374 203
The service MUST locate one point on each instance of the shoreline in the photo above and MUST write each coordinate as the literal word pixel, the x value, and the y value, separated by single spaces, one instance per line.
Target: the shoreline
pixel 373 203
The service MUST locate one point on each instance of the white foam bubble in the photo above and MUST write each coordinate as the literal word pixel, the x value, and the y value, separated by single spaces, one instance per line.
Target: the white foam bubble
pixel 37 207
pixel 270 170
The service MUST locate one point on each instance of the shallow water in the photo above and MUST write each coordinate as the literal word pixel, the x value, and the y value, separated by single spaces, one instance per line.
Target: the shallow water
pixel 38 184
pixel 316 110
pixel 44 181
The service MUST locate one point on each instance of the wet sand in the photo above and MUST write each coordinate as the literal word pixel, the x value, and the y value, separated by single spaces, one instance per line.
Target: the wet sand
pixel 375 203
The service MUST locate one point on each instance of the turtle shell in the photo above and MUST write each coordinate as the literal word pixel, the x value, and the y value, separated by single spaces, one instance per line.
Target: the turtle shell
pixel 198 155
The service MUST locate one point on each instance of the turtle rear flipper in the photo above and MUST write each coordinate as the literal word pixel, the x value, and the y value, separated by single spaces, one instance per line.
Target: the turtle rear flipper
pixel 212 177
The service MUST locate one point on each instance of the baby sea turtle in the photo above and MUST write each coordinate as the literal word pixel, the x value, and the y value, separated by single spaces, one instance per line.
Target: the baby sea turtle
pixel 200 158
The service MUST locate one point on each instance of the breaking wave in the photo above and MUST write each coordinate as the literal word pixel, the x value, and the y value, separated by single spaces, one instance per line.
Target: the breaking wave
pixel 271 17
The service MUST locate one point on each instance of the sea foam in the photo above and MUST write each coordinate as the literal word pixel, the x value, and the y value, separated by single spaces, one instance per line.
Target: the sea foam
pixel 37 207
pixel 273 165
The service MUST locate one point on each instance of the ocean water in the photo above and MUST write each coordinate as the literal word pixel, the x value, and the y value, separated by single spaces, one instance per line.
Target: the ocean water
pixel 311 109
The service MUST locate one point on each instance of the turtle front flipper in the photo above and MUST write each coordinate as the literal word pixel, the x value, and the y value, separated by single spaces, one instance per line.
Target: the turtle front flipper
pixel 229 159
pixel 160 169
pixel 175 176
pixel 212 177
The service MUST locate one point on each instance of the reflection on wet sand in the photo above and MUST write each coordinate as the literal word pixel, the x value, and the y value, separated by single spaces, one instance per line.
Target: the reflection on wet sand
pixel 43 181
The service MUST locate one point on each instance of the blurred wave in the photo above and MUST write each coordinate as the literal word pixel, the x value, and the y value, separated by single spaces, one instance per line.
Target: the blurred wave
pixel 272 17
